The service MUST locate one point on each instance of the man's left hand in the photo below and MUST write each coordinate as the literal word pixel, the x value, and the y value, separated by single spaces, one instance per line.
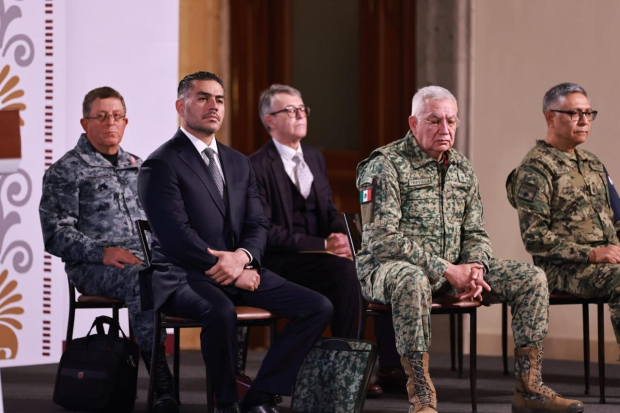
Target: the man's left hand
pixel 339 244
pixel 475 293
pixel 229 266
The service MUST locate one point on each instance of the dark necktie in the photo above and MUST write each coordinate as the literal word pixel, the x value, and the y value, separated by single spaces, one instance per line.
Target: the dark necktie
pixel 215 172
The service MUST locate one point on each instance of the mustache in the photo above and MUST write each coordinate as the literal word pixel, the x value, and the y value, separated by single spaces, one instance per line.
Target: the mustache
pixel 212 113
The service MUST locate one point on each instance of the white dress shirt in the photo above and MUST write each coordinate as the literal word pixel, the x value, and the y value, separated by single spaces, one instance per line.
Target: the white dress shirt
pixel 287 153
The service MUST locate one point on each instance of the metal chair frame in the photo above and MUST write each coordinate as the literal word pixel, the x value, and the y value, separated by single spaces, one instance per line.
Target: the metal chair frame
pixel 89 301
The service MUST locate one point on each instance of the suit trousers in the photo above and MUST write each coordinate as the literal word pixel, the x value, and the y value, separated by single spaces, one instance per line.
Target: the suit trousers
pixel 309 313
pixel 328 274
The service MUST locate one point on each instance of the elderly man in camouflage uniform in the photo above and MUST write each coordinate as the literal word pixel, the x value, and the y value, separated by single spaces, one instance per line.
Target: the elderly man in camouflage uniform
pixel 424 236
pixel 87 210
pixel 562 198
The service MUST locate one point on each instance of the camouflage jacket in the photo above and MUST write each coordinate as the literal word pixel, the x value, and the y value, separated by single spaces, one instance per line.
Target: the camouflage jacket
pixel 563 203
pixel 416 214
pixel 88 204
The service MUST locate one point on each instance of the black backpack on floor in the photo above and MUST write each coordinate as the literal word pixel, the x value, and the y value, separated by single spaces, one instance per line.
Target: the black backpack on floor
pixel 99 372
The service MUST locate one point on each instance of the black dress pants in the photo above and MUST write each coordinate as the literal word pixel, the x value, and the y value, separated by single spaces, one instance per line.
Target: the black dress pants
pixel 309 313
pixel 328 274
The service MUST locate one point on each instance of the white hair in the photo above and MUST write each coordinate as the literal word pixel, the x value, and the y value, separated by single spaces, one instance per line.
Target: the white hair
pixel 428 94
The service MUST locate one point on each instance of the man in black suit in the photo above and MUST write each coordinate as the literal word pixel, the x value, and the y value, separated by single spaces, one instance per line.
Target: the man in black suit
pixel 307 242
pixel 201 200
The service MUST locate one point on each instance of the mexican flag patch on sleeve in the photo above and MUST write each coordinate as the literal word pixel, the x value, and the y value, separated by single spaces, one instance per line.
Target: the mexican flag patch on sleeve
pixel 365 196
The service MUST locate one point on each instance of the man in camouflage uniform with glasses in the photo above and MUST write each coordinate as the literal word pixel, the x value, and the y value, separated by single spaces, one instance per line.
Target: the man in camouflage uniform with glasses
pixel 561 195
pixel 87 210
pixel 424 237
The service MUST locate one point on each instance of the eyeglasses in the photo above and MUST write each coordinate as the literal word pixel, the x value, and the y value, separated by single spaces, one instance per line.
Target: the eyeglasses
pixel 103 117
pixel 292 111
pixel 577 114
pixel 451 122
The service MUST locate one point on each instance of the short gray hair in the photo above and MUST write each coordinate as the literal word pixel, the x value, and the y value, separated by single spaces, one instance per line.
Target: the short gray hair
pixel 266 99
pixel 558 92
pixel 428 94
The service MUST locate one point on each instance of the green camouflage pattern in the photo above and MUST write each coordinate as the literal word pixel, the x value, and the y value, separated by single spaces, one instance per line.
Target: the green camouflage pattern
pixel 334 381
pixel 563 216
pixel 563 204
pixel 420 221
pixel 88 204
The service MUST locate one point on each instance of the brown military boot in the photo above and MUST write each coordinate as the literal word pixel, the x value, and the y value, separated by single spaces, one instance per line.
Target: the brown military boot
pixel 420 388
pixel 531 394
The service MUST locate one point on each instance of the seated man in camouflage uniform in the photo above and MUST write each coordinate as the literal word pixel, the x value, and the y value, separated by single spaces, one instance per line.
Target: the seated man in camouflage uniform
pixel 87 210
pixel 424 236
pixel 562 197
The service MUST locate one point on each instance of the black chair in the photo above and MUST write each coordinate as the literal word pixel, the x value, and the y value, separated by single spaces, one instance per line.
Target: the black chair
pixel 90 301
pixel 246 317
pixel 558 298
pixel 447 305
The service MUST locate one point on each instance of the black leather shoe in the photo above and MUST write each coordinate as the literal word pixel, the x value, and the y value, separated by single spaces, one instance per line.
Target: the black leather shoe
pixel 230 409
pixel 392 380
pixel 165 394
pixel 263 408
pixel 374 391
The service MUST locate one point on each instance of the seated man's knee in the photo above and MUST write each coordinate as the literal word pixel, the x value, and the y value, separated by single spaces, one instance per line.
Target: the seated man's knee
pixel 537 280
pixel 323 308
pixel 222 317
pixel 407 275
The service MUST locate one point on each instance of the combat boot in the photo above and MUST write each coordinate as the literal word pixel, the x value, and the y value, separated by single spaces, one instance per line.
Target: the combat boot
pixel 420 387
pixel 531 394
pixel 165 395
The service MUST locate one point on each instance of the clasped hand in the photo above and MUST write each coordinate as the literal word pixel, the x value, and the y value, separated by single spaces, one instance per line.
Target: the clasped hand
pixel 230 267
pixel 468 279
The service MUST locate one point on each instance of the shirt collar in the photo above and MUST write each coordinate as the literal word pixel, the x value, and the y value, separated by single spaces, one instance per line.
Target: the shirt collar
pixel 200 145
pixel 286 151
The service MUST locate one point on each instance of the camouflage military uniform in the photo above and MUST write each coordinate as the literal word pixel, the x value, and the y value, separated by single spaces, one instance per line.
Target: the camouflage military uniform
pixel 88 204
pixel 564 213
pixel 418 217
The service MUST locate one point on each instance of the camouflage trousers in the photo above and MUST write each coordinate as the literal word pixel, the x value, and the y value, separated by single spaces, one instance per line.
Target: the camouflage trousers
pixel 118 283
pixel 410 292
pixel 588 281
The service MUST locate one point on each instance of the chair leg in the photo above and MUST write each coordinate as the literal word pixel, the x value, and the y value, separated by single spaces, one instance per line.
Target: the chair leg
pixel 452 343
pixel 460 342
pixel 272 332
pixel 243 340
pixel 473 355
pixel 601 351
pixel 177 362
pixel 115 313
pixel 70 324
pixel 210 399
pixel 505 337
pixel 153 370
pixel 586 346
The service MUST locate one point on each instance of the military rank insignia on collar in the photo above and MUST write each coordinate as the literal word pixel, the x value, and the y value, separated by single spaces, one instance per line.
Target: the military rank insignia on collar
pixel 462 177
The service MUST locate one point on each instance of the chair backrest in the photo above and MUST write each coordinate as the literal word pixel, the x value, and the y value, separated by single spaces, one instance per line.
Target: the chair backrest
pixel 143 227
pixel 144 280
pixel 353 224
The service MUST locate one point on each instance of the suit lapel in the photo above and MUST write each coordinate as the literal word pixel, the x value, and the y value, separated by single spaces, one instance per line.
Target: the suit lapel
pixel 320 185
pixel 194 161
pixel 283 183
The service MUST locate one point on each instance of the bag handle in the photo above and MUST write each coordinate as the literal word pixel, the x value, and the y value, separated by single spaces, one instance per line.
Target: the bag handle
pixel 112 331
pixel 335 344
